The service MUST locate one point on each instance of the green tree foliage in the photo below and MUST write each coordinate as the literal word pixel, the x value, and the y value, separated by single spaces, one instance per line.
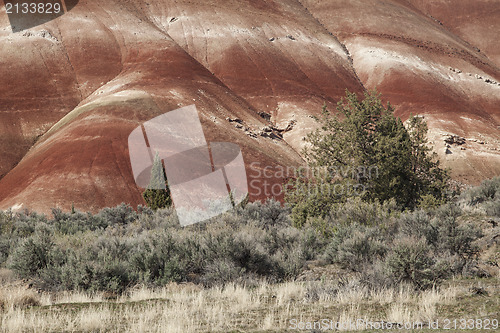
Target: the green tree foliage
pixel 157 194
pixel 365 150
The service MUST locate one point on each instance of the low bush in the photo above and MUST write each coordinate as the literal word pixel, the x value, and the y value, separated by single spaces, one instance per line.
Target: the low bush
pixel 454 237
pixel 357 211
pixel 411 261
pixel 487 191
pixel 418 224
pixel 360 250
pixel 221 272
pixel 492 208
pixel 74 222
pixel 266 215
pixel 119 215
pixel 32 254
pixel 354 248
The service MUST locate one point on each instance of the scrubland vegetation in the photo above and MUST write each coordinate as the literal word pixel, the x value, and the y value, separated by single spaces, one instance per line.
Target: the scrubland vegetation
pixel 119 248
pixel 249 269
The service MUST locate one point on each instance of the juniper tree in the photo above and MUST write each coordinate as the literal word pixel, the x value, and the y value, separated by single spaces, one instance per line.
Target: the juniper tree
pixel 366 151
pixel 157 194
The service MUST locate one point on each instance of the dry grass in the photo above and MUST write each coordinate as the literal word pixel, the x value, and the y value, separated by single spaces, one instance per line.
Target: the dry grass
pixel 234 308
pixel 16 295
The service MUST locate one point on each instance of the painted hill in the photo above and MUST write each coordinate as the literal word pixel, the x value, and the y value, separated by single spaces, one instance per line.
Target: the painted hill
pixel 74 88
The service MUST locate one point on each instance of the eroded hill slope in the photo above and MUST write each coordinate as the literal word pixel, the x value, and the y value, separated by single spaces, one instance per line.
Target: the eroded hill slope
pixel 73 89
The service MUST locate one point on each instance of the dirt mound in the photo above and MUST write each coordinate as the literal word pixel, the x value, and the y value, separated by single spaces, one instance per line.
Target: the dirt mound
pixel 74 88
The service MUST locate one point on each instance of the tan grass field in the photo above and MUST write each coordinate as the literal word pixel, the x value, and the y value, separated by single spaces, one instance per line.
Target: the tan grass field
pixel 264 308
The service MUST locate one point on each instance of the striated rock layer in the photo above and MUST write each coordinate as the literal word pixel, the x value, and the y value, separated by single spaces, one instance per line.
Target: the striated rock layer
pixel 422 67
pixel 258 70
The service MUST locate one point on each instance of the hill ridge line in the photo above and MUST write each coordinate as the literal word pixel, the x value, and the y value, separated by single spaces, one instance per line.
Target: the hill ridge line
pixel 346 50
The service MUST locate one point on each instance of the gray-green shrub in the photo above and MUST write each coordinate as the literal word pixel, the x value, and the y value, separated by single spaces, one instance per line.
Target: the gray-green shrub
pixel 410 261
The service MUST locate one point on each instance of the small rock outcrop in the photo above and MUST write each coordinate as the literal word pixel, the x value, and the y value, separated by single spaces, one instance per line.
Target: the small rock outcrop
pixel 265 115
pixel 454 140
pixel 234 120
pixel 288 127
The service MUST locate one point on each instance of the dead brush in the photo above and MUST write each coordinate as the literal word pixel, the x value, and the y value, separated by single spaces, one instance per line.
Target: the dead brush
pixel 18 296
